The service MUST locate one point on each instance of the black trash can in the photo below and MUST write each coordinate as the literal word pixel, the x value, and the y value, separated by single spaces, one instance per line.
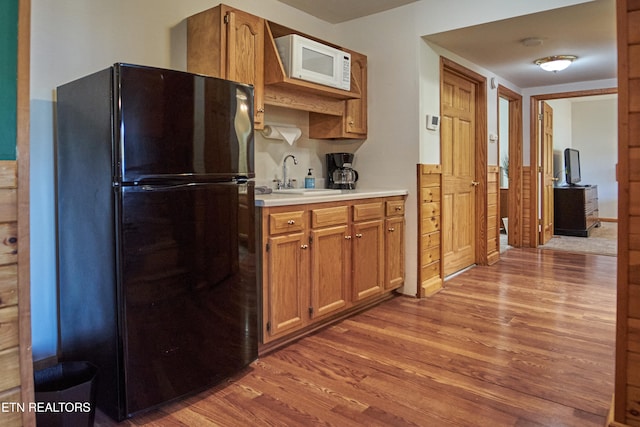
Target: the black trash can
pixel 65 395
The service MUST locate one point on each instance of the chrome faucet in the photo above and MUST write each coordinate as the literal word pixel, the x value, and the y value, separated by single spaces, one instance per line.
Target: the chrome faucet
pixel 286 183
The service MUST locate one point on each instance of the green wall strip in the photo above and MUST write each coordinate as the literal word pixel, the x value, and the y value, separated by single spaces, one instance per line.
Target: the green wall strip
pixel 8 77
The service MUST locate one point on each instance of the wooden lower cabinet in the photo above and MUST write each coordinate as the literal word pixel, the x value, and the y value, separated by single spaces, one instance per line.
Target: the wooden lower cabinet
pixel 325 260
pixel 330 270
pixel 287 261
pixel 394 252
pixel 368 259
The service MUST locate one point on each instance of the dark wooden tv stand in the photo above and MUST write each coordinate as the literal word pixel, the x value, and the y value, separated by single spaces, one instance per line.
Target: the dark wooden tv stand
pixel 575 210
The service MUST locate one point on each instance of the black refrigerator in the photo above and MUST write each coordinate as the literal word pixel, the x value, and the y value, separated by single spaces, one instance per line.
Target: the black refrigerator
pixel 156 242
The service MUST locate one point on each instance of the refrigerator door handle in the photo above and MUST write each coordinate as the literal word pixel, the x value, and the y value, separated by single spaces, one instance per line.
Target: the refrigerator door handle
pixel 171 187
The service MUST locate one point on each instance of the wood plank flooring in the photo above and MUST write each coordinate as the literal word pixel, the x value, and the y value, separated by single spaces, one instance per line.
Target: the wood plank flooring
pixel 526 342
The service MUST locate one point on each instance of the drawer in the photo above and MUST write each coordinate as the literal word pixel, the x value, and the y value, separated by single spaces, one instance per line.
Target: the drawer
pixel 286 222
pixel 431 209
pixel 395 207
pixel 430 240
pixel 365 211
pixel 429 194
pixel 429 255
pixel 329 216
pixel 430 271
pixel 430 224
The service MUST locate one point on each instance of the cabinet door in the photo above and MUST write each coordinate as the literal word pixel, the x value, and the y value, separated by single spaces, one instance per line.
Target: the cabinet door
pixel 329 270
pixel 368 259
pixel 287 258
pixel 394 252
pixel 245 56
pixel 356 109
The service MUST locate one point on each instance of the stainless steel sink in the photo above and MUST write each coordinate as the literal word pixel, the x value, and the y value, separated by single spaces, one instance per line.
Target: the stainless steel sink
pixel 307 191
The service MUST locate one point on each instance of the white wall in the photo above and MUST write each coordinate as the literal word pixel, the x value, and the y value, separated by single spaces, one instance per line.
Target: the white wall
pixel 561 135
pixel 595 135
pixel 72 38
pixel 503 140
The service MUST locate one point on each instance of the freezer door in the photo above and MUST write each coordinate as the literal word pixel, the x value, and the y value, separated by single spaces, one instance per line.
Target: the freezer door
pixel 189 289
pixel 177 125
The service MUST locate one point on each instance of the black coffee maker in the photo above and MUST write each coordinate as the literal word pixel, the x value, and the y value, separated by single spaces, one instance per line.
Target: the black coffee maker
pixel 339 172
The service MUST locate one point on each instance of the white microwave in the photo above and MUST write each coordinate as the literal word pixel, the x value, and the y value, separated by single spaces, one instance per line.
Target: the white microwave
pixel 315 62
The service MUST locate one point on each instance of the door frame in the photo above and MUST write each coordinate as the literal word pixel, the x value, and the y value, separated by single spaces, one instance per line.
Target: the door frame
pixel 481 163
pixel 514 210
pixel 534 135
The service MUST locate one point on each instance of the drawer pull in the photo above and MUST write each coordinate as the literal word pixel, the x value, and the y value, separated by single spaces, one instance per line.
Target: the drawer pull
pixel 358 235
pixel 291 222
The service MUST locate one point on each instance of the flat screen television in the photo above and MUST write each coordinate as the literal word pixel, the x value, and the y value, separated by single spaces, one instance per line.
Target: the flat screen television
pixel 572 166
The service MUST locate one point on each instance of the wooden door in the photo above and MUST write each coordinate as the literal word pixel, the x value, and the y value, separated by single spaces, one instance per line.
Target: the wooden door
pixel 546 175
pixel 245 56
pixel 457 133
pixel 287 261
pixel 330 269
pixel 368 259
pixel 394 252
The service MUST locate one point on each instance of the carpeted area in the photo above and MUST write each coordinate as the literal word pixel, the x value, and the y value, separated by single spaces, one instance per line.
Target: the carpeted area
pixel 603 241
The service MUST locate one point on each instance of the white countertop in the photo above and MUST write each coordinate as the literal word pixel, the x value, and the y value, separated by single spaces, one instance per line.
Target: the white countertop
pixel 276 199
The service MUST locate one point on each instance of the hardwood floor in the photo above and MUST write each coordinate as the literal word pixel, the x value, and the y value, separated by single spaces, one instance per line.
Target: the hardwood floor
pixel 526 342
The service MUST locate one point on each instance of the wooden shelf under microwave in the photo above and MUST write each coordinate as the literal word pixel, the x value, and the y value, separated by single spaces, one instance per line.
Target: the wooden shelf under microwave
pixel 275 75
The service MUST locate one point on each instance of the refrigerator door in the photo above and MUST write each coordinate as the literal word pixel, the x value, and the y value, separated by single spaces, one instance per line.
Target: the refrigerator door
pixel 187 280
pixel 172 125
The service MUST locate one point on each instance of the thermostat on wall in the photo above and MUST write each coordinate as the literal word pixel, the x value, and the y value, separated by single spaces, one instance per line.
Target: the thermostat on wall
pixel 433 122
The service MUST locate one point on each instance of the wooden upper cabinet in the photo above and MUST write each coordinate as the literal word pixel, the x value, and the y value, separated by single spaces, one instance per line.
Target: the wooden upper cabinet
pixel 356 114
pixel 352 124
pixel 229 43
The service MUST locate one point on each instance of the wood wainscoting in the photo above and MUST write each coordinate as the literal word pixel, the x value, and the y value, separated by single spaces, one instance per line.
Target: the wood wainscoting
pixel 493 219
pixel 528 220
pixel 626 403
pixel 15 368
pixel 430 272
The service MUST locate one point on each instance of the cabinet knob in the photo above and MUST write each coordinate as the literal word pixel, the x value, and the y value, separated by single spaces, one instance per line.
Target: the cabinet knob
pixel 291 222
pixel 347 237
pixel 358 235
pixel 475 183
pixel 398 208
pixel 392 229
pixel 260 110
pixel 304 246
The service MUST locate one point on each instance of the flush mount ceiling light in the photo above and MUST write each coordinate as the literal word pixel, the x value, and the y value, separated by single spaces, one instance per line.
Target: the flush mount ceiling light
pixel 556 62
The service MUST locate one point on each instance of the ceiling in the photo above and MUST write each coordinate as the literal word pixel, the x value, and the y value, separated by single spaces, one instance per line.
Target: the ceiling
pixel 336 11
pixel 586 30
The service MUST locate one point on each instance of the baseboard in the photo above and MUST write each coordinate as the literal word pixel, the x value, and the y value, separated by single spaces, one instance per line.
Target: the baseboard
pixel 431 286
pixel 608 219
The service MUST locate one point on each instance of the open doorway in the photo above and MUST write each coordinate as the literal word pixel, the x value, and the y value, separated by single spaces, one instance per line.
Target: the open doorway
pixel 583 122
pixel 510 164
